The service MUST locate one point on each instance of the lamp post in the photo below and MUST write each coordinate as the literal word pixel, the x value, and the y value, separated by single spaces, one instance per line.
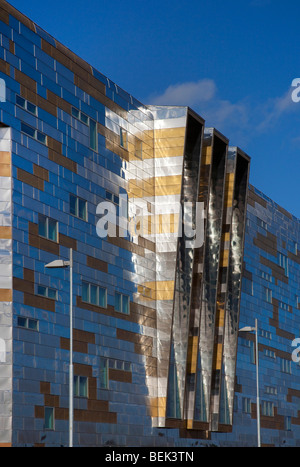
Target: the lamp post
pixel 58 264
pixel 255 329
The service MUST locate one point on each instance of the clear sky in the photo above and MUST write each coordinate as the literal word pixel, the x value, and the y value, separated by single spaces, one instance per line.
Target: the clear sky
pixel 231 61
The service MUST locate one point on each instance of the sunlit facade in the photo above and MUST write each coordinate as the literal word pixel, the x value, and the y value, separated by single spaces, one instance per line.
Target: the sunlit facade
pixel 173 251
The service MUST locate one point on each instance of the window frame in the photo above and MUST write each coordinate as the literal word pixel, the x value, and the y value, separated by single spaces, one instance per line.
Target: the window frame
pixel 35 135
pixel 104 370
pixel 77 386
pixel 27 321
pixel 267 408
pixel 52 427
pixel 283 262
pixel 46 295
pixel 121 303
pixel 246 405
pixel 89 302
pixel 288 423
pixel 268 295
pixel 47 236
pixel 25 107
pixel 77 200
pixel 286 366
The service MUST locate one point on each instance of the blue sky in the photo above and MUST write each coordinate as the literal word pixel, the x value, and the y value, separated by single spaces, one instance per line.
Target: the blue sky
pixel 232 61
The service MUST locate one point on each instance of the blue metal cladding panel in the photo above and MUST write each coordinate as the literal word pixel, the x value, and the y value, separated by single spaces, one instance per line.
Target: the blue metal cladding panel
pixel 39 356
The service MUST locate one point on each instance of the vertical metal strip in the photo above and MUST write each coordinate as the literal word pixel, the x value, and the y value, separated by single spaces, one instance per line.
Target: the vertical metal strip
pixel 211 269
pixel 234 287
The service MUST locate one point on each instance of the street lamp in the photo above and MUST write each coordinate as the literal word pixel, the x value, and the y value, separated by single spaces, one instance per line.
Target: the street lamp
pixel 255 329
pixel 59 264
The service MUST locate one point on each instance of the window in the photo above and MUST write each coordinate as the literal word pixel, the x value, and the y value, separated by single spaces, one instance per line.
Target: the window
pixel 103 373
pixel 284 306
pixel 270 353
pixel 122 303
pixel 49 418
pixel 107 364
pixel 265 334
pixel 267 408
pixel 33 133
pixel 262 223
pixel 295 248
pixel 268 295
pixel 94 294
pixel 284 263
pixel 271 390
pixel 285 366
pixel 93 135
pixel 123 138
pixel 48 228
pixel 80 386
pixel 47 292
pixel 119 365
pixel 246 405
pixel 78 207
pixel 82 117
pixel 288 423
pixel 28 323
pixel 26 105
pixel 268 277
pixel 111 197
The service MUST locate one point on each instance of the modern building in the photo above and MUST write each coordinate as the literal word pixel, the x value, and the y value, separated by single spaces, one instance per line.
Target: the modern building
pixel 173 253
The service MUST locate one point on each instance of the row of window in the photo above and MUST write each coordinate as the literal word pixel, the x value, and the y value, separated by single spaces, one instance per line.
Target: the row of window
pixel 91 294
pixel 107 364
pixel 267 410
pixel 33 133
pixel 81 388
pixel 83 118
pixel 265 275
pixel 41 137
pixel 26 105
pixel 48 228
pixel 247 287
pixel 285 364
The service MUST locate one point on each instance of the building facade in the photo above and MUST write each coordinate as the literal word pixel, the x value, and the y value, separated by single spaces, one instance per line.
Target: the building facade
pixel 173 252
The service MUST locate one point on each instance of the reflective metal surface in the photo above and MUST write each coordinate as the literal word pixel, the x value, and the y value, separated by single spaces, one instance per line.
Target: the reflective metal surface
pixel 6 320
pixel 232 308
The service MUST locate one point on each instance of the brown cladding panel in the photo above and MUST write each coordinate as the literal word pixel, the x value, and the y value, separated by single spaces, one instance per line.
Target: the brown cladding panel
pixel 26 81
pixel 121 376
pixel 4 67
pixel 96 264
pixel 30 179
